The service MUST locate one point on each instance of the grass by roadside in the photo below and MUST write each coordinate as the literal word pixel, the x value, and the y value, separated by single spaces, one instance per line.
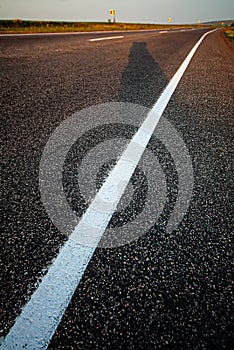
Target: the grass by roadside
pixel 230 34
pixel 23 26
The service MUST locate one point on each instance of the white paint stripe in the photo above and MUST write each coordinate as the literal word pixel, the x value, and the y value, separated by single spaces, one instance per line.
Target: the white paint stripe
pixel 87 33
pixel 82 33
pixel 107 38
pixel 41 315
pixel 42 34
pixel 163 32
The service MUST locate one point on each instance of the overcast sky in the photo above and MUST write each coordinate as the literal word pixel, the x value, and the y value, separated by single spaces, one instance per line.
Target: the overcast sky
pixel 148 11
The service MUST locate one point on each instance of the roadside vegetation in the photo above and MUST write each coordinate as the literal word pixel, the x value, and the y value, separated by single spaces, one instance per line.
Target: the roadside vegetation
pixel 230 34
pixel 24 26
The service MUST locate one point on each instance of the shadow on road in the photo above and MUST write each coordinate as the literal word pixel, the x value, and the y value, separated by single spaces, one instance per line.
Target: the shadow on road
pixel 143 80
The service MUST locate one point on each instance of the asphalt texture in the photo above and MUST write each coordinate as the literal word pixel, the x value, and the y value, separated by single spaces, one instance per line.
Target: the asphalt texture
pixel 164 290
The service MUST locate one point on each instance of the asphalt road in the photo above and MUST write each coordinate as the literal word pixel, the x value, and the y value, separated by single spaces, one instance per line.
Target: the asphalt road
pixel 164 290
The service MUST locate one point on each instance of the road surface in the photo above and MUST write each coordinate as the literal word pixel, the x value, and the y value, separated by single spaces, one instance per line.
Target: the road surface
pixel 163 290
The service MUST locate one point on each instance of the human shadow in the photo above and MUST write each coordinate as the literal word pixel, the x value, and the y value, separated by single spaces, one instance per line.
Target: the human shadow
pixel 143 80
pixel 142 83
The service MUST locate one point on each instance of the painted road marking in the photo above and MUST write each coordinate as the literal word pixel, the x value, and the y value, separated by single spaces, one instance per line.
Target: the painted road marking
pixel 81 33
pixel 164 31
pixel 107 38
pixel 65 33
pixel 41 316
pixel 35 34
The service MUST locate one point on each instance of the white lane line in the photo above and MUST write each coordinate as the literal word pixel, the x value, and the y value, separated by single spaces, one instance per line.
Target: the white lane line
pixel 107 38
pixel 164 31
pixel 36 34
pixel 81 33
pixel 58 33
pixel 41 316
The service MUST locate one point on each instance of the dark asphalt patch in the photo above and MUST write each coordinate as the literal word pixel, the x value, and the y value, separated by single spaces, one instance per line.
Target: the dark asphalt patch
pixel 165 291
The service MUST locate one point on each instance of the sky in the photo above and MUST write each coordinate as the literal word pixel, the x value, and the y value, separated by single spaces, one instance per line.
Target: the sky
pixel 138 11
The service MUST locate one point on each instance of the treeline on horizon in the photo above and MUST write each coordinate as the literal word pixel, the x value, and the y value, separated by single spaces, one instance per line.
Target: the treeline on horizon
pixel 30 25
pixel 15 23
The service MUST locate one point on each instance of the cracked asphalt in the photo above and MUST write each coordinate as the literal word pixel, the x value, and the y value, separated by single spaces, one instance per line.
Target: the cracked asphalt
pixel 164 290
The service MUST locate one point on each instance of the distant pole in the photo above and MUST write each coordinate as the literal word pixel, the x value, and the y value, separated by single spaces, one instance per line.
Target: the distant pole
pixel 169 19
pixel 199 22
